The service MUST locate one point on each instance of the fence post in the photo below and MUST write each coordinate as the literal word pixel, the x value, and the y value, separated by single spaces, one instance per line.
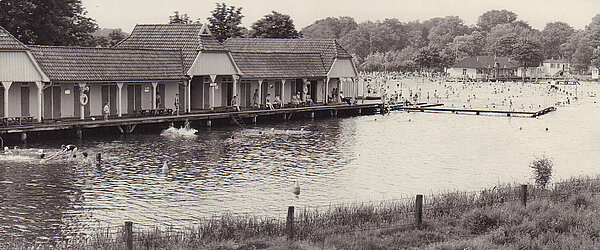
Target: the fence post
pixel 419 210
pixel 289 223
pixel 129 235
pixel 524 195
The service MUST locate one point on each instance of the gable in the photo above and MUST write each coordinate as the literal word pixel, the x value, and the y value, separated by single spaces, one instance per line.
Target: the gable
pixel 17 66
pixel 342 67
pixel 213 63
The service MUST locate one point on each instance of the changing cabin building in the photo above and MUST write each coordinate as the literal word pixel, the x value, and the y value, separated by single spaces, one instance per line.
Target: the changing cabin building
pixel 160 66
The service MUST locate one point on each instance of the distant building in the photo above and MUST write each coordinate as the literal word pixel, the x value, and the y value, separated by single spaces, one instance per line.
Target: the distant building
pixel 595 72
pixel 556 68
pixel 483 68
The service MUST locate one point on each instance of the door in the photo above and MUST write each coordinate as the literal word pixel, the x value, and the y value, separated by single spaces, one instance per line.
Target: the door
pixel 109 94
pixel 161 92
pixel 182 97
pixel 228 94
pixel 278 90
pixel 48 95
pixel 24 100
pixel 130 99
pixel 2 101
pixel 264 91
pixel 56 102
pixel 312 91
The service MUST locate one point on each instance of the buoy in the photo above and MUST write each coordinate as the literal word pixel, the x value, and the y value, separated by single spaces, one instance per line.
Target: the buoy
pixel 165 168
pixel 297 189
pixel 546 129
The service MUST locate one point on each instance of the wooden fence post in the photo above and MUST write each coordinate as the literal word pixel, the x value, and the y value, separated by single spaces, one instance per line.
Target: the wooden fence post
pixel 419 210
pixel 289 223
pixel 524 195
pixel 129 235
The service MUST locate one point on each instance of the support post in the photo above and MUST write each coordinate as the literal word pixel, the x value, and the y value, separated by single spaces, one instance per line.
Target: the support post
pixel 120 99
pixel 327 90
pixel 79 133
pixel 40 86
pixel 289 223
pixel 154 85
pixel 188 93
pixel 283 81
pixel 98 160
pixel 304 89
pixel 260 82
pixel 234 89
pixel 254 120
pixel 211 94
pixel 24 137
pixel 82 87
pixel 419 210
pixel 128 235
pixel 6 86
pixel 524 195
pixel 312 115
pixel 208 123
pixel 339 97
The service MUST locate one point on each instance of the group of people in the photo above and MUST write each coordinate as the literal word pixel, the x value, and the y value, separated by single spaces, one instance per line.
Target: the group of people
pixel 70 152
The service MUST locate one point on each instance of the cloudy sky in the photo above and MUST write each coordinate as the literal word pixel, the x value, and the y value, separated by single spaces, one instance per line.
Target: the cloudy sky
pixel 125 14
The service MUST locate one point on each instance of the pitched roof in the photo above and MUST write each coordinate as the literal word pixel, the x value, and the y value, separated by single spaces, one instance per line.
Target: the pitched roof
pixel 279 65
pixel 329 49
pixel 186 37
pixel 108 64
pixel 8 41
pixel 486 62
pixel 555 61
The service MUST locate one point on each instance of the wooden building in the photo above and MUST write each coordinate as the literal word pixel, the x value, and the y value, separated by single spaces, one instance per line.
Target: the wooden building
pixel 483 68
pixel 158 64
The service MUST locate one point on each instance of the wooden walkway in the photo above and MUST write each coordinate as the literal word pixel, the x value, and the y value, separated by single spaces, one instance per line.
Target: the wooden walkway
pixel 437 108
pixel 129 122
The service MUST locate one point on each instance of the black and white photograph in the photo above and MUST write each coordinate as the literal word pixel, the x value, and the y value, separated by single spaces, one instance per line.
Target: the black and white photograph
pixel 299 124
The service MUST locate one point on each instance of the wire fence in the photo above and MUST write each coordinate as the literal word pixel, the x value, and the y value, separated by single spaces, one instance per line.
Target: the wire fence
pixel 318 222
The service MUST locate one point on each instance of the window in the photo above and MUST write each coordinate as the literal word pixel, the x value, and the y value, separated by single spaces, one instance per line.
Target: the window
pixel 464 71
pixel 552 65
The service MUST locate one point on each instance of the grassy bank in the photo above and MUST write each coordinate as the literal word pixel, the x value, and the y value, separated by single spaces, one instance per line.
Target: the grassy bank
pixel 562 216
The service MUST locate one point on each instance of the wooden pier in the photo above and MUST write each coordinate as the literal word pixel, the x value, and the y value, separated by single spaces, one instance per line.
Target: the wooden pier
pixel 437 108
pixel 128 124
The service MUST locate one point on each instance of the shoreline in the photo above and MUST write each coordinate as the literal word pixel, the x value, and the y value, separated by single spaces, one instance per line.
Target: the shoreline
pixel 484 218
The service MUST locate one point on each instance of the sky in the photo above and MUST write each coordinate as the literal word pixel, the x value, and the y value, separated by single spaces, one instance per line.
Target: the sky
pixel 125 14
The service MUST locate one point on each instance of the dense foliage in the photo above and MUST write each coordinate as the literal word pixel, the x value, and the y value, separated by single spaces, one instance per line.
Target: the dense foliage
pixel 274 25
pixel 48 22
pixel 438 42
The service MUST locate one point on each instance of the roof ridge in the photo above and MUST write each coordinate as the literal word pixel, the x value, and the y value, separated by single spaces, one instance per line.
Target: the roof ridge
pixel 98 48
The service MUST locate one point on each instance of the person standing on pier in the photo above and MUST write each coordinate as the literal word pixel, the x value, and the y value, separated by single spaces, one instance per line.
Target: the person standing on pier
pixel 106 110
pixel 234 103
pixel 255 99
pixel 176 104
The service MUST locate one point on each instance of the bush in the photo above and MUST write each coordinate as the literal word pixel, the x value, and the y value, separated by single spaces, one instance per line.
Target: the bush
pixel 480 221
pixel 542 170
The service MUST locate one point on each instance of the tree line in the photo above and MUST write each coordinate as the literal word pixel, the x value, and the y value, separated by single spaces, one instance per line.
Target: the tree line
pixel 384 45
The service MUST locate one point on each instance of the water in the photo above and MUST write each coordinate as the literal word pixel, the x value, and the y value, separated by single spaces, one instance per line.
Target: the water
pixel 253 170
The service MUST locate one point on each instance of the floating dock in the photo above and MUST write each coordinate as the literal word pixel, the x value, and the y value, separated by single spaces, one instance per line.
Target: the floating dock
pixel 438 108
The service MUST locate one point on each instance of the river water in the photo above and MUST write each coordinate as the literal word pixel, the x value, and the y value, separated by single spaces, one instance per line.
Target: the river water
pixel 339 160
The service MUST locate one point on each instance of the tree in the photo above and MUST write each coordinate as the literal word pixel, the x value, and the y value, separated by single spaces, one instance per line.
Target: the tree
pixel 445 30
pixel 593 31
pixel 429 58
pixel 331 27
pixel 488 20
pixel 56 22
pixel 578 50
pixel 542 170
pixel 274 25
pixel 502 38
pixel 225 22
pixel 528 53
pixel 116 36
pixel 553 35
pixel 177 19
pixel 596 58
pixel 358 41
pixel 468 45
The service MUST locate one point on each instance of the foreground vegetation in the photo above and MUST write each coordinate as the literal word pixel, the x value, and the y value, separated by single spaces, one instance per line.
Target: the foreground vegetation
pixel 561 216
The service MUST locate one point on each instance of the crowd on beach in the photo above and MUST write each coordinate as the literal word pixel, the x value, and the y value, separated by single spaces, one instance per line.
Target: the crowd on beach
pixel 433 88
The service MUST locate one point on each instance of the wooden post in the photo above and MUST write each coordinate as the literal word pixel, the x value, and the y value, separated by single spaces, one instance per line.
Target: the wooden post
pixel 419 210
pixel 79 133
pixel 99 160
pixel 128 235
pixel 289 223
pixel 120 99
pixel 524 195
pixel 254 120
pixel 40 86
pixel 312 115
pixel 208 123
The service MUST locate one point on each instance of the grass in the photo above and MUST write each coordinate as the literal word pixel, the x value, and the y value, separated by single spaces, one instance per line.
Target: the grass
pixel 562 216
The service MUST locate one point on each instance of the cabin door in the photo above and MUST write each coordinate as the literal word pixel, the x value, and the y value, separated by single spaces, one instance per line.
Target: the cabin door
pixel 312 91
pixel 182 97
pixel 52 102
pixel 24 100
pixel 2 102
pixel 109 94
